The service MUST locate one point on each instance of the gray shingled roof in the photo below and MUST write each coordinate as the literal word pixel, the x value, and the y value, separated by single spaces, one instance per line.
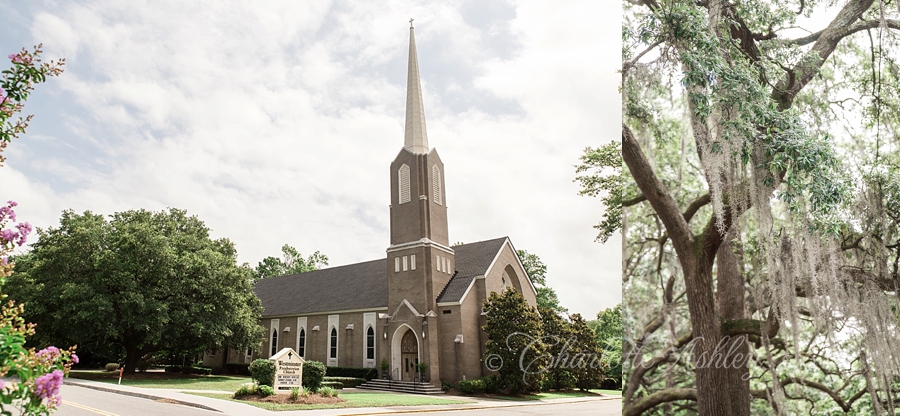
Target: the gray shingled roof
pixel 471 260
pixel 363 285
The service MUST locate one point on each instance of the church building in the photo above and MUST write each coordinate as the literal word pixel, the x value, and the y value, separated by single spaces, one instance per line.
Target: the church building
pixel 421 303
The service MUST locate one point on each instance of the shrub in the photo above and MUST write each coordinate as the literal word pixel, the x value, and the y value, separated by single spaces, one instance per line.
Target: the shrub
pixel 239 369
pixel 328 392
pixel 471 386
pixel 246 389
pixel 295 393
pixel 111 367
pixel 337 385
pixel 446 386
pixel 265 391
pixel 491 384
pixel 203 371
pixel 263 372
pixel 346 381
pixel 366 373
pixel 313 375
pixel 173 368
pixel 143 364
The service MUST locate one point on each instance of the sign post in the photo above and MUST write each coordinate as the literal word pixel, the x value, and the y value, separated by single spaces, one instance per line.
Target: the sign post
pixel 288 371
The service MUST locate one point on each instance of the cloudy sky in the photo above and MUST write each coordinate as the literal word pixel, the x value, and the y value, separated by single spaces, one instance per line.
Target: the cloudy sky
pixel 276 122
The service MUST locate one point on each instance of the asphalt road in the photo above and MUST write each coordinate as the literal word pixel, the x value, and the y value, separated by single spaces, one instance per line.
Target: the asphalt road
pixel 79 401
pixel 592 408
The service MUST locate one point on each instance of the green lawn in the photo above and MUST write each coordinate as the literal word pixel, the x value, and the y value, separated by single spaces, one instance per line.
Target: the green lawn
pixel 354 399
pixel 167 380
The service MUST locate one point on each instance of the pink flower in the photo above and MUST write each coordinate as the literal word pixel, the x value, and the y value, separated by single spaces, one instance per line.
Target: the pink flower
pixel 74 359
pixel 47 385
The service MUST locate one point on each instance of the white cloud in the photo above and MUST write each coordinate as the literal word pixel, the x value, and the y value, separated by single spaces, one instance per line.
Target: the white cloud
pixel 277 124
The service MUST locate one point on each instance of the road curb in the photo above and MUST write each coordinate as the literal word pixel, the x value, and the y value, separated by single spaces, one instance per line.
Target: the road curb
pixel 136 394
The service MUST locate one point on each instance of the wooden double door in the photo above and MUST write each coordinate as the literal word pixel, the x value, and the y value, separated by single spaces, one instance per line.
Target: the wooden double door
pixel 409 356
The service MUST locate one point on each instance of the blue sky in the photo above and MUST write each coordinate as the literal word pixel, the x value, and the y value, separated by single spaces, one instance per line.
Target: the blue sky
pixel 277 123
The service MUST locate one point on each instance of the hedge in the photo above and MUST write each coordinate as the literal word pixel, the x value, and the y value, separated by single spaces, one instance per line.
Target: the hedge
pixel 347 381
pixel 263 372
pixel 239 369
pixel 333 384
pixel 356 372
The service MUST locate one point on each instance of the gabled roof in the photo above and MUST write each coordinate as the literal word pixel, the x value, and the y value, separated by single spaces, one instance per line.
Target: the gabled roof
pixel 472 260
pixel 363 285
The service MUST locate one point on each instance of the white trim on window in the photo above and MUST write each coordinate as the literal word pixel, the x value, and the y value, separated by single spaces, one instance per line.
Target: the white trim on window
pixel 273 336
pixel 397 264
pixel 405 263
pixel 412 261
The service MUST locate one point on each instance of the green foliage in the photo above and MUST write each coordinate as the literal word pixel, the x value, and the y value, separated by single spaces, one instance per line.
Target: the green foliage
pixel 313 375
pixel 246 389
pixel 345 381
pixel 332 384
pixel 111 367
pixel 358 372
pixel 514 336
pixel 588 365
pixel 139 282
pixel 265 391
pixel 295 393
pixel 537 273
pixel 263 372
pixel 446 386
pixel 15 87
pixel 609 330
pixel 292 262
pixel 557 336
pixel 600 175
pixel 471 387
pixel 328 391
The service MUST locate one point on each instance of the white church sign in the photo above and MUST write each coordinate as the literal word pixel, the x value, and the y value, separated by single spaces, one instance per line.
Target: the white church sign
pixel 288 370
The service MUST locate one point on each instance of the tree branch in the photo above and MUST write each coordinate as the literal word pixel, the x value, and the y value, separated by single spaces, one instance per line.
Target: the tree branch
pixel 857 27
pixel 660 397
pixel 657 194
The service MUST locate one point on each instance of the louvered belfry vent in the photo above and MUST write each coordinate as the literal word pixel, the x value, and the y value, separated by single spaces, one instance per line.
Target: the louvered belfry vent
pixel 404 184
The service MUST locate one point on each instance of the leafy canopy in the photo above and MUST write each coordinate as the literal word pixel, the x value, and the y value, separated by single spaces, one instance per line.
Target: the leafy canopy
pixel 137 283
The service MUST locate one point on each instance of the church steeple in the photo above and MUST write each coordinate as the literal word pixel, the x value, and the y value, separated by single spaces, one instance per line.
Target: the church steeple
pixel 415 139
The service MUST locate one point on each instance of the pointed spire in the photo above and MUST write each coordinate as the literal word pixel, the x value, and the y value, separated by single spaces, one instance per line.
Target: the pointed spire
pixel 415 139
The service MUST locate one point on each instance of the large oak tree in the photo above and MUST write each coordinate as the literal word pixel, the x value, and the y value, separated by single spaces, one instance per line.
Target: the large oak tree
pixel 137 283
pixel 760 206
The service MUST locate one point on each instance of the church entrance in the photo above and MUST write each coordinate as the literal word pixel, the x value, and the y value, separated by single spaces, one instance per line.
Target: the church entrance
pixel 409 356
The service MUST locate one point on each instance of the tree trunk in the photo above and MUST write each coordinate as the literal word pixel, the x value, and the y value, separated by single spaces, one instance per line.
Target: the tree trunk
pixel 131 358
pixel 730 298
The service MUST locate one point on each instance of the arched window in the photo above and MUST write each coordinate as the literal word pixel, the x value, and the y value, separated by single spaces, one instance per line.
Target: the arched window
pixel 274 341
pixel 370 344
pixel 301 343
pixel 333 343
pixel 436 184
pixel 404 184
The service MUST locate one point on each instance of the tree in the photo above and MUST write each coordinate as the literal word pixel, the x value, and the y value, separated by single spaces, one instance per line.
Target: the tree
pixel 765 167
pixel 587 362
pixel 558 335
pixel 537 273
pixel 139 282
pixel 608 330
pixel 292 262
pixel 514 347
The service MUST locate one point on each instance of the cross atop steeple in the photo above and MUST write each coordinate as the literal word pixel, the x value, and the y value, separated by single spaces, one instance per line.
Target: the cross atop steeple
pixel 415 138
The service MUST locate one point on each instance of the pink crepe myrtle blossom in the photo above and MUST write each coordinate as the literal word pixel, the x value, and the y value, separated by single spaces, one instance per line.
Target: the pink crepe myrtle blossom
pixel 47 385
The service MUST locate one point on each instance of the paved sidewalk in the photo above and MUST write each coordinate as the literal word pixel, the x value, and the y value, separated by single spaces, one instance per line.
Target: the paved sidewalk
pixel 234 408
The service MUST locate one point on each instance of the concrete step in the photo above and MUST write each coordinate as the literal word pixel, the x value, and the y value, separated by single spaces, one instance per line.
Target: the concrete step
pixel 402 386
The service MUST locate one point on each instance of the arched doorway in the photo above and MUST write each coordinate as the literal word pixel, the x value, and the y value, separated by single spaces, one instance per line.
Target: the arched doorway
pixel 404 353
pixel 409 356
